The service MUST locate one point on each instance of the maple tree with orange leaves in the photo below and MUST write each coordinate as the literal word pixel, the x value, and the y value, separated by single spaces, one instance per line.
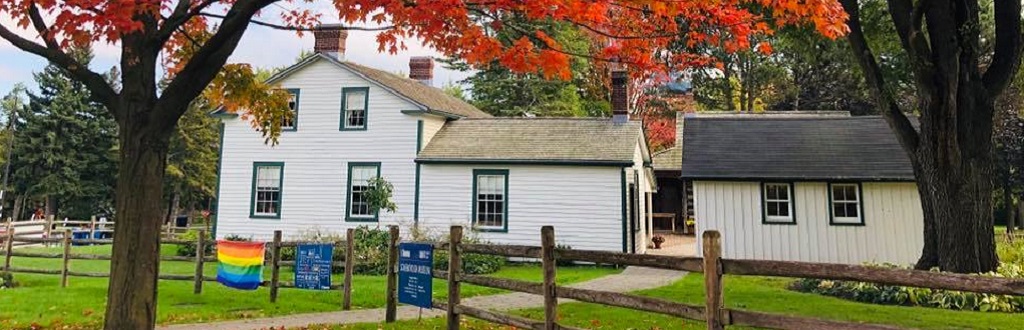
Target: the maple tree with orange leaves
pixel 200 35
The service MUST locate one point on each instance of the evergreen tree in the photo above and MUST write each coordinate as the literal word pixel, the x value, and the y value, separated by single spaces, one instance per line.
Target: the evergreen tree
pixel 191 176
pixel 497 90
pixel 65 149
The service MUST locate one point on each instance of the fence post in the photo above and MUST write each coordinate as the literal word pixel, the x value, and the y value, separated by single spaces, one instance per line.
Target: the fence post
pixel 92 227
pixel 350 246
pixel 275 265
pixel 713 279
pixel 392 296
pixel 454 270
pixel 547 250
pixel 200 255
pixel 67 258
pixel 9 247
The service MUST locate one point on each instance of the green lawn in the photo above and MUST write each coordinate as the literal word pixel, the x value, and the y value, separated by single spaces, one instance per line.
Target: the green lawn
pixel 750 293
pixel 40 299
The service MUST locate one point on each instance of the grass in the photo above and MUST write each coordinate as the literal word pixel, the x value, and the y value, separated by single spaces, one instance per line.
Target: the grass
pixel 39 299
pixel 742 292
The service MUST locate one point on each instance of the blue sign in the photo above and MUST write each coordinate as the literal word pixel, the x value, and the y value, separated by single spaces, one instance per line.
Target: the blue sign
pixel 415 283
pixel 313 266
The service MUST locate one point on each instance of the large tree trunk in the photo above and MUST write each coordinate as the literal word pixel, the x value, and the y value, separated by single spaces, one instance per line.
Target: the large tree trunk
pixel 953 167
pixel 131 296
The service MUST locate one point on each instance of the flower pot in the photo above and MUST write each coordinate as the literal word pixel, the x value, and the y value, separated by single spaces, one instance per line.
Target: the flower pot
pixel 657 245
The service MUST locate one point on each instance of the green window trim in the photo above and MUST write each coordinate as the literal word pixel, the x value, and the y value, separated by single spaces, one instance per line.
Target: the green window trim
pixel 343 126
pixel 860 204
pixel 504 226
pixel 764 204
pixel 280 194
pixel 416 197
pixel 348 196
pixel 295 117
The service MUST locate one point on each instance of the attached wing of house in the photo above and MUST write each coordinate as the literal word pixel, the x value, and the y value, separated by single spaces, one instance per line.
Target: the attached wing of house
pixel 808 188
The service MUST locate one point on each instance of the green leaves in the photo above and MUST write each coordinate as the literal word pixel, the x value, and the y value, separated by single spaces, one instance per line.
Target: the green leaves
pixel 378 195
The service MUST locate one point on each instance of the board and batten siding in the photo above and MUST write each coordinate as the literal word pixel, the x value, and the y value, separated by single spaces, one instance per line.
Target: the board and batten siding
pixel 892 230
pixel 316 158
pixel 581 202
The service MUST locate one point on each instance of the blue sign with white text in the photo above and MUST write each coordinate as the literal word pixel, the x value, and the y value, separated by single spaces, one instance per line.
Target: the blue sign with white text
pixel 415 264
pixel 313 266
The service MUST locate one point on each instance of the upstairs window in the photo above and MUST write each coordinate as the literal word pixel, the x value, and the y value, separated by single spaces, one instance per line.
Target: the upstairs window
pixel 266 190
pixel 844 204
pixel 359 175
pixel 290 123
pixel 490 200
pixel 778 203
pixel 354 102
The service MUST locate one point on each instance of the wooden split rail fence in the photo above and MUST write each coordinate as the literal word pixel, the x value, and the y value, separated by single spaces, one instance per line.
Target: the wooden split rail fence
pixel 712 265
pixel 199 258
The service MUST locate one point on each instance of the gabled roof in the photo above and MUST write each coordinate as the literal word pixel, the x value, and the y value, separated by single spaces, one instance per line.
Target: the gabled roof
pixel 794 148
pixel 668 160
pixel 429 99
pixel 571 141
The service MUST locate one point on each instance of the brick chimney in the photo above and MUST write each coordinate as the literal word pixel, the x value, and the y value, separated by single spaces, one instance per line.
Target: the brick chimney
pixel 421 68
pixel 330 41
pixel 620 103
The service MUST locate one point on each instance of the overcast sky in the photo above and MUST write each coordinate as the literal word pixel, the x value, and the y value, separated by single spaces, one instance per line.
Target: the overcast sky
pixel 261 46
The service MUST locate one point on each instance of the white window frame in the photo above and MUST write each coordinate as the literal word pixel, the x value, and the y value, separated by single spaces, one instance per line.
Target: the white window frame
pixel 257 188
pixel 501 177
pixel 361 182
pixel 832 201
pixel 293 104
pixel 777 219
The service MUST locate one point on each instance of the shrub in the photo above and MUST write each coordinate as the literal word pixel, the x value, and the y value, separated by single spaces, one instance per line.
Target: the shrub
pixel 371 252
pixel 7 280
pixel 472 263
pixel 564 262
pixel 911 296
pixel 189 249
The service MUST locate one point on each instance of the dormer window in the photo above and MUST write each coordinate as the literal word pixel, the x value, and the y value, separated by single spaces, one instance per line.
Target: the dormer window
pixel 354 103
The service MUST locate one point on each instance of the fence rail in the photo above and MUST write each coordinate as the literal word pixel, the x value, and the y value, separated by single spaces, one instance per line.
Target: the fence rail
pixel 199 259
pixel 712 265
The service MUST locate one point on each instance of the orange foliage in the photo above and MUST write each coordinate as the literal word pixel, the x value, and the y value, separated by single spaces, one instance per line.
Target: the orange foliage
pixel 632 31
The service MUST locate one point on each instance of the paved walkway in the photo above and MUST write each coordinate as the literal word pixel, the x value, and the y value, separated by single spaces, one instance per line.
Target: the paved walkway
pixel 631 279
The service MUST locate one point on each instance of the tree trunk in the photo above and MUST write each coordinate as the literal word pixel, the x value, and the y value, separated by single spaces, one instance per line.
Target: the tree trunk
pixel 51 205
pixel 953 168
pixel 131 296
pixel 727 76
pixel 19 201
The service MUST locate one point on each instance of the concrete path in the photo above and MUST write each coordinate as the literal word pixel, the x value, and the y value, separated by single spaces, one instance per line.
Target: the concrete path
pixel 631 279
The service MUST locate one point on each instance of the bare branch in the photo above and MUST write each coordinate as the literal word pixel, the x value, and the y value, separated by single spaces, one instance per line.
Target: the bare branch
pixel 96 83
pixel 299 28
pixel 181 14
pixel 206 63
pixel 898 121
pixel 1008 48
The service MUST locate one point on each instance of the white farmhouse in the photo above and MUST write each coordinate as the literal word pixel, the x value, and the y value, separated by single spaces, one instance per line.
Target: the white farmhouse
pixel 449 162
pixel 805 187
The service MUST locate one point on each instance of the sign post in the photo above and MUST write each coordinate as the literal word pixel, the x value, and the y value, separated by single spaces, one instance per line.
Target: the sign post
pixel 313 266
pixel 415 264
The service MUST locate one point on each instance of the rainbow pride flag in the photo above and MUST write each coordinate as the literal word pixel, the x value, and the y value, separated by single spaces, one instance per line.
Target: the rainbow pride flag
pixel 241 264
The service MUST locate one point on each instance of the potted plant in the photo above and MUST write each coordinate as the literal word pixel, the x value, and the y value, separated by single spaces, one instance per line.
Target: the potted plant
pixel 690 224
pixel 657 240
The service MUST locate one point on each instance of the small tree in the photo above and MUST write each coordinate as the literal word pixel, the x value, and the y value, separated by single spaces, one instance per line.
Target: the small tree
pixel 378 195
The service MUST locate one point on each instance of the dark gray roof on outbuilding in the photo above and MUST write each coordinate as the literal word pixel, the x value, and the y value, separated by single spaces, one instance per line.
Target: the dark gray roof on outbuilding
pixel 570 141
pixel 797 148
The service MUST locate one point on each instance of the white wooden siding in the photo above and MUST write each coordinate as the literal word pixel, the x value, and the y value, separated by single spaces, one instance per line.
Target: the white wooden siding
pixel 583 203
pixel 639 237
pixel 892 232
pixel 315 158
pixel 431 125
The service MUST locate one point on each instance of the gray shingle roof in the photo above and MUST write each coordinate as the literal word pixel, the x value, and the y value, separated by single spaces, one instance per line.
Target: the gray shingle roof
pixel 856 148
pixel 433 98
pixel 540 140
pixel 667 160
